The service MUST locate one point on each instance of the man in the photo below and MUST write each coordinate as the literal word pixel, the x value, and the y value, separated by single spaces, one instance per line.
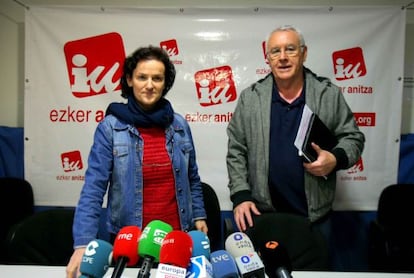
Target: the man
pixel 265 171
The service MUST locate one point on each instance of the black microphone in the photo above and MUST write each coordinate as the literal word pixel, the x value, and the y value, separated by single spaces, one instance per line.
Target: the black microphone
pixel 275 259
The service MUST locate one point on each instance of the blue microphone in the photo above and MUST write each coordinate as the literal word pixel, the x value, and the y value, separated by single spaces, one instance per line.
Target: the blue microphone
pixel 224 265
pixel 96 259
pixel 200 266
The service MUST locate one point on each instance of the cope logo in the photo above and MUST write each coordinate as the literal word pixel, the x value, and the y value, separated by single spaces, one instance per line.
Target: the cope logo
pixel 170 46
pixel 71 161
pixel 215 86
pixel 349 63
pixel 94 64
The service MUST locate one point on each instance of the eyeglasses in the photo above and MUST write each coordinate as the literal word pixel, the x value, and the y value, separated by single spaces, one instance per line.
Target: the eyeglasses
pixel 290 50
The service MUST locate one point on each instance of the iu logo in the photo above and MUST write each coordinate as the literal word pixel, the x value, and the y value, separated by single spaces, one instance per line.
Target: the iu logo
pixel 215 86
pixel 264 51
pixel 71 161
pixel 357 168
pixel 349 63
pixel 95 64
pixel 170 46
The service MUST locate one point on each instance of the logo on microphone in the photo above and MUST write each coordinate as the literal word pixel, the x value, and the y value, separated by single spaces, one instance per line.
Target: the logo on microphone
pixel 271 244
pixel 91 248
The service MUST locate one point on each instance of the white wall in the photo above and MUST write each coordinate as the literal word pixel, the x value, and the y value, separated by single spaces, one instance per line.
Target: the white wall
pixel 12 49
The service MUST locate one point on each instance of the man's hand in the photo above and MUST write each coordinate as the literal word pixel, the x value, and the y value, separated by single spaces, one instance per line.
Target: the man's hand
pixel 243 212
pixel 323 165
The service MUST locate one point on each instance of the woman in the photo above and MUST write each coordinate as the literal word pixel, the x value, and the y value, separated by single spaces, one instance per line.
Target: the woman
pixel 143 154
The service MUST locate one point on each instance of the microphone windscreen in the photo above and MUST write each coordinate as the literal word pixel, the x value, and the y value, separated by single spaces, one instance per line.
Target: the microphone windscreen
pixel 274 256
pixel 151 239
pixel 238 244
pixel 201 244
pixel 96 259
pixel 250 265
pixel 176 249
pixel 223 265
pixel 126 244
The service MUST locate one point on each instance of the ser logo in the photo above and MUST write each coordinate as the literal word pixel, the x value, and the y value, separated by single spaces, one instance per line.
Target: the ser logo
pixel 215 86
pixel 349 63
pixel 94 64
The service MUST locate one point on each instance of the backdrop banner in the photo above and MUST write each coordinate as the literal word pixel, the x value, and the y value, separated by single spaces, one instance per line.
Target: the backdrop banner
pixel 74 57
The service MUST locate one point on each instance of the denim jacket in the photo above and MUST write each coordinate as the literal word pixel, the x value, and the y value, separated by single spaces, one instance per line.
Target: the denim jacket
pixel 115 166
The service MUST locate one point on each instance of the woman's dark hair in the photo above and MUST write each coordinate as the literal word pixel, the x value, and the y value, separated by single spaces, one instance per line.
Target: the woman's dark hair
pixel 147 53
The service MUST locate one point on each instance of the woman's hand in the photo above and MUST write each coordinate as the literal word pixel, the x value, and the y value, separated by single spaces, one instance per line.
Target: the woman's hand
pixel 72 269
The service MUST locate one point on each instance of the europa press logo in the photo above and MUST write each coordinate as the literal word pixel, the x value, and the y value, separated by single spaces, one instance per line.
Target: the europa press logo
pixel 349 63
pixel 215 86
pixel 170 46
pixel 95 64
pixel 71 161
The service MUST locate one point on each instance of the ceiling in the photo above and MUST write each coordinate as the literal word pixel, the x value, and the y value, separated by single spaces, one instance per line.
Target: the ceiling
pixel 14 9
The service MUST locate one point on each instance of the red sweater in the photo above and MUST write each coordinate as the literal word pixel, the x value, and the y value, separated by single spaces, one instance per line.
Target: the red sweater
pixel 159 200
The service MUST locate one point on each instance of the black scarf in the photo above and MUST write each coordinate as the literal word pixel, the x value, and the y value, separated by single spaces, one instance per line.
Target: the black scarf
pixel 161 116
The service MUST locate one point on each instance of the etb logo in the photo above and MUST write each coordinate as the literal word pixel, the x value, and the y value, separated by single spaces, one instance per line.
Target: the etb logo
pixel 71 161
pixel 349 63
pixel 215 86
pixel 170 46
pixel 94 64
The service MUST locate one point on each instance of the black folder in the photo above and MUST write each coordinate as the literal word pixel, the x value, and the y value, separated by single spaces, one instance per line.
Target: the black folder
pixel 312 129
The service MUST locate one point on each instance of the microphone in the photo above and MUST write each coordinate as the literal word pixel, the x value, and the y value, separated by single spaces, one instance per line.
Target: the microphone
pixel 224 265
pixel 176 249
pixel 96 259
pixel 175 254
pixel 238 244
pixel 201 244
pixel 200 266
pixel 149 245
pixel 125 249
pixel 247 260
pixel 276 260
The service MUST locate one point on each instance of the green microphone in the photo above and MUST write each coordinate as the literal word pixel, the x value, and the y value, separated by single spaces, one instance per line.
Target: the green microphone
pixel 149 245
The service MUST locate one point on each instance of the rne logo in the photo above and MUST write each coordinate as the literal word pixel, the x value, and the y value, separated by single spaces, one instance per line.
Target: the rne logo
pixel 170 46
pixel 71 161
pixel 349 63
pixel 215 86
pixel 94 64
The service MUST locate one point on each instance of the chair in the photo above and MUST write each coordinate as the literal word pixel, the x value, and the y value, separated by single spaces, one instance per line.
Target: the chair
pixel 45 238
pixel 391 234
pixel 16 204
pixel 306 248
pixel 213 211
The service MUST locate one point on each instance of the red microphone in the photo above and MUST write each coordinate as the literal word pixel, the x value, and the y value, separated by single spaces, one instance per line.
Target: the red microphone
pixel 175 254
pixel 125 252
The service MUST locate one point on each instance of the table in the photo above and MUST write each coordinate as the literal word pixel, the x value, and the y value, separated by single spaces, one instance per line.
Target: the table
pixel 17 271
